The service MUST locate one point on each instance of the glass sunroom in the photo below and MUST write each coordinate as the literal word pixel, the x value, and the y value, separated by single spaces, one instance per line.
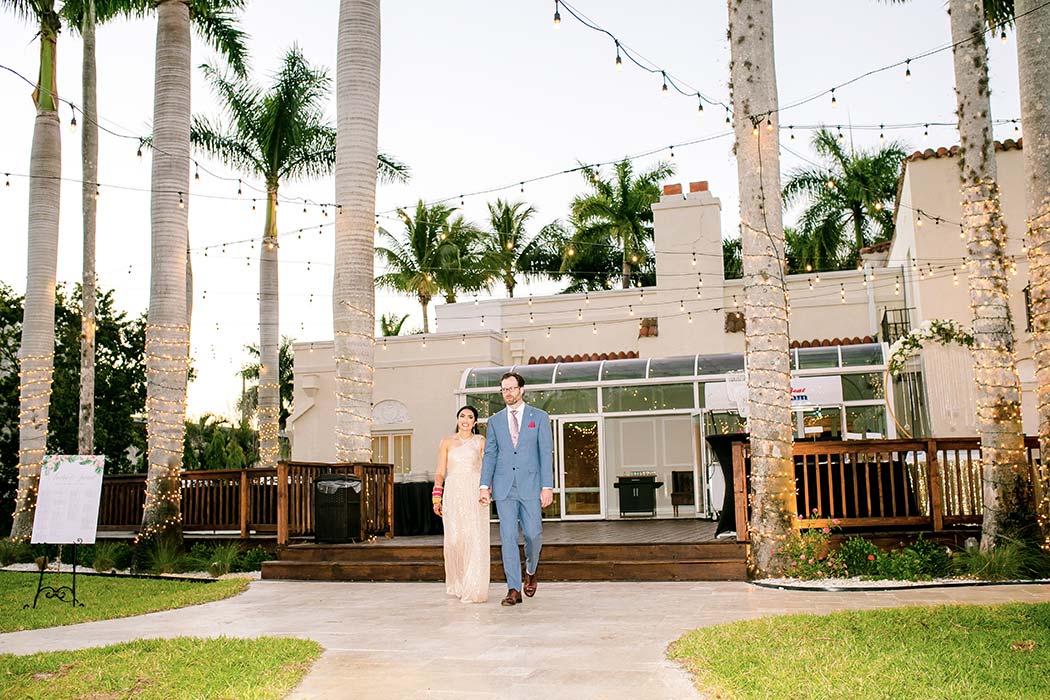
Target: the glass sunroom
pixel 650 416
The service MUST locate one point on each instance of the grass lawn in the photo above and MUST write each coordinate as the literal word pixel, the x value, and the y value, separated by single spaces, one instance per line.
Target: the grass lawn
pixel 162 669
pixel 104 598
pixel 946 652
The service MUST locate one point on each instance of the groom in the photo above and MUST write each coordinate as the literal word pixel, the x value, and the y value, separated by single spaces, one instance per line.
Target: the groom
pixel 518 462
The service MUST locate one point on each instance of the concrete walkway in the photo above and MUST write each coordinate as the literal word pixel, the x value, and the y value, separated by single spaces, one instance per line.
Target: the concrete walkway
pixel 573 640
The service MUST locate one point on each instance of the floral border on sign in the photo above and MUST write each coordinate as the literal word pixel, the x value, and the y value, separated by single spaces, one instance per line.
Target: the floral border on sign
pixel 943 331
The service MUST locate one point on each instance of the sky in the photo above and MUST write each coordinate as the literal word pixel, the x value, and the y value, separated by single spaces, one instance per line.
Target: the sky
pixel 475 95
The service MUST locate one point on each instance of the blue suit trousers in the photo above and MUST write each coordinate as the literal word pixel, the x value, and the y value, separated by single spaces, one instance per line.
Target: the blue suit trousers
pixel 513 510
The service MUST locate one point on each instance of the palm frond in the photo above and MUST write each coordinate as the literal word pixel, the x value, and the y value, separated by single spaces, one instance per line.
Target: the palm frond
pixel 237 153
pixel 391 170
pixel 216 23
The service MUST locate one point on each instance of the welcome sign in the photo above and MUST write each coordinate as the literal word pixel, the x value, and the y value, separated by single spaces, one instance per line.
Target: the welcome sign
pixel 67 499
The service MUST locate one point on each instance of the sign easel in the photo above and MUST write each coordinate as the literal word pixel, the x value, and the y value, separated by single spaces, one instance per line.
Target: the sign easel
pixel 66 513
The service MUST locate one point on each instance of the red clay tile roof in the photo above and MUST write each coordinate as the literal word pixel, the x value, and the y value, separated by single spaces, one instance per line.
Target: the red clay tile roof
pixel 942 152
pixel 586 357
pixel 877 248
pixel 826 343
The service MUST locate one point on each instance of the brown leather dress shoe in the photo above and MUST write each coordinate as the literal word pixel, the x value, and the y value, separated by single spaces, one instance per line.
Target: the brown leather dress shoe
pixel 513 598
pixel 531 584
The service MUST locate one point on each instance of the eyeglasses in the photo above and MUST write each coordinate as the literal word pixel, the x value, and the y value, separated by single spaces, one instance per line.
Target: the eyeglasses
pixel 505 389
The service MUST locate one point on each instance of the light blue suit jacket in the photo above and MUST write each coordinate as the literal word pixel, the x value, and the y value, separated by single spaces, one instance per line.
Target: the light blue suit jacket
pixel 531 462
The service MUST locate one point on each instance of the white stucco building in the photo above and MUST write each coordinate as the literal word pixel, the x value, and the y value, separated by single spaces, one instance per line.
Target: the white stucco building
pixel 635 379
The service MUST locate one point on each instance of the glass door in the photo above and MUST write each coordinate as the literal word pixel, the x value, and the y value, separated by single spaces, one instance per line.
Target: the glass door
pixel 578 468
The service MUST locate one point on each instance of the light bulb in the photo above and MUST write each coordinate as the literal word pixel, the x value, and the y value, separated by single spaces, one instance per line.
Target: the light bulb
pixel 557 15
pixel 619 61
pixel 834 102
pixel 907 69
pixel 663 90
pixel 699 104
pixel 73 122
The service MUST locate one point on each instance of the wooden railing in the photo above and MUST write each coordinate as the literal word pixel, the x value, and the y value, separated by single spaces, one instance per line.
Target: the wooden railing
pixel 928 483
pixel 295 497
pixel 279 501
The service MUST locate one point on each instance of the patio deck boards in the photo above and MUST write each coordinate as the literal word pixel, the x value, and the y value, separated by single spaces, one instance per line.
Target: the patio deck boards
pixel 610 550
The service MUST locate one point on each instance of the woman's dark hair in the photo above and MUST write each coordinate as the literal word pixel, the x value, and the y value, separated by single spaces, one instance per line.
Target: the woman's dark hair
pixel 473 412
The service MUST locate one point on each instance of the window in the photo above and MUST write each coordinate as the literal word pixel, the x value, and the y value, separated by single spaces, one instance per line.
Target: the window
pixel 647 398
pixel 862 387
pixel 394 448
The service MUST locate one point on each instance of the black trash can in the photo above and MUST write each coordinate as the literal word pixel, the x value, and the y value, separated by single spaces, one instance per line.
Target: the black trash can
pixel 337 508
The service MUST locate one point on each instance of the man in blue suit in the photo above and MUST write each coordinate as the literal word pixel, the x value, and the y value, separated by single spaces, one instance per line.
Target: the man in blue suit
pixel 517 472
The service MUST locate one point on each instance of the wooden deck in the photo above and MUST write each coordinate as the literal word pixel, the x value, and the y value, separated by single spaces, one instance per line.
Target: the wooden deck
pixel 654 550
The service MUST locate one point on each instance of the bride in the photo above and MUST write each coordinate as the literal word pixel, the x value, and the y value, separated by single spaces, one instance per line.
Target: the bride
pixel 455 499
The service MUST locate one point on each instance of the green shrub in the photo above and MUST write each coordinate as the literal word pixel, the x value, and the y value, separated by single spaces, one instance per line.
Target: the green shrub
pixel 12 552
pixel 123 555
pixel 860 557
pixel 105 557
pixel 1007 561
pixel 902 565
pixel 932 555
pixel 199 557
pixel 223 559
pixel 252 559
pixel 161 557
pixel 809 555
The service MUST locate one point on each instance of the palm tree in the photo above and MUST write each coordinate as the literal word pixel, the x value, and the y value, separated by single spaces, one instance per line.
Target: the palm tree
pixel 619 210
pixel 754 88
pixel 167 331
pixel 1033 69
pixel 250 372
pixel 506 245
pixel 275 134
pixel 88 192
pixel 391 325
pixel 353 290
pixel 434 256
pixel 36 353
pixel 732 260
pixel 1006 475
pixel 1007 480
pixel 849 202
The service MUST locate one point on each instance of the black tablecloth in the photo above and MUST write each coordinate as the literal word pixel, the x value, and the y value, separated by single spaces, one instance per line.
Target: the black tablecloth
pixel 413 512
pixel 722 446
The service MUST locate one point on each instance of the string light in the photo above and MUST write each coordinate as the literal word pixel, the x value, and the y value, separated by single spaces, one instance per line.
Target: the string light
pixel 663 90
pixel 182 204
pixel 907 69
pixel 619 62
pixel 557 15
pixel 834 102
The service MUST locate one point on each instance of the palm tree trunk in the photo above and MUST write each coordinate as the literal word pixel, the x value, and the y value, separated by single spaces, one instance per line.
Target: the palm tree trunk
pixel 353 294
pixel 626 270
pixel 424 303
pixel 167 330
pixel 754 87
pixel 89 187
pixel 269 339
pixel 1033 69
pixel 1006 482
pixel 36 353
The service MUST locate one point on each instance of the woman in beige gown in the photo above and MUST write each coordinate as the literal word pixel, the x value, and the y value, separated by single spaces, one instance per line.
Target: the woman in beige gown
pixel 466 522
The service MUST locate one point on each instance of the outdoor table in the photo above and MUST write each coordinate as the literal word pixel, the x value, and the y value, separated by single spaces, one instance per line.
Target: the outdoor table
pixel 722 446
pixel 413 510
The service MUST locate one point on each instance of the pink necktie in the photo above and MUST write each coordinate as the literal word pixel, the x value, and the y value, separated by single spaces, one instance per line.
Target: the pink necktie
pixel 514 427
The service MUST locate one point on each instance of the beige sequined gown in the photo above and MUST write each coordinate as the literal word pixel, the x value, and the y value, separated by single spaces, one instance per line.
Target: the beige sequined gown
pixel 466 524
